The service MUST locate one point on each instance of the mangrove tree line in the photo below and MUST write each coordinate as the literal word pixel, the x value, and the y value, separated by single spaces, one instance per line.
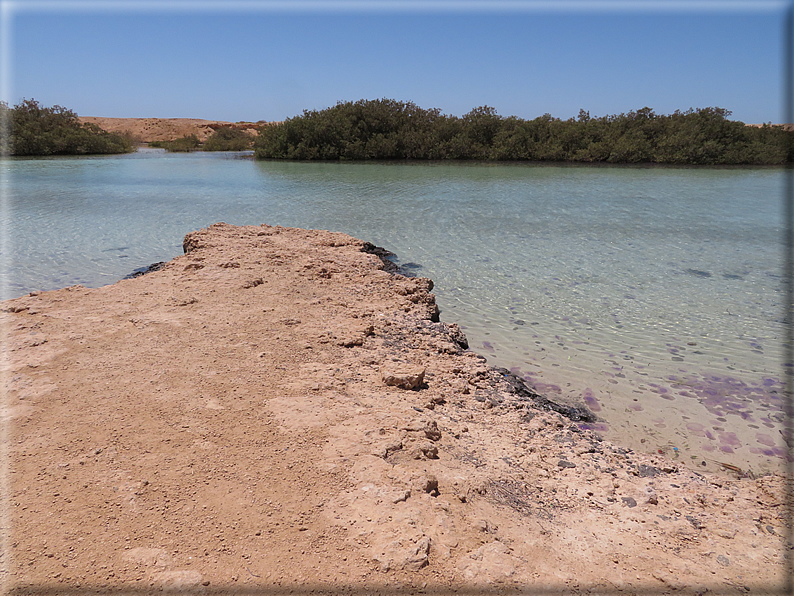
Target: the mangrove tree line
pixel 395 130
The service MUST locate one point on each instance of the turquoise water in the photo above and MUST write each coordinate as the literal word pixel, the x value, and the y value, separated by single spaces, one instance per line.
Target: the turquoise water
pixel 653 294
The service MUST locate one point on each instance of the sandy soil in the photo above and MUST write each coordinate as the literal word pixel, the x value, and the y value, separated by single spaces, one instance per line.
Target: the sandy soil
pixel 147 130
pixel 275 410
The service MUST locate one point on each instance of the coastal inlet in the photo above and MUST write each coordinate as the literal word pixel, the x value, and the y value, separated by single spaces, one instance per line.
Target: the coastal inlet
pixel 650 293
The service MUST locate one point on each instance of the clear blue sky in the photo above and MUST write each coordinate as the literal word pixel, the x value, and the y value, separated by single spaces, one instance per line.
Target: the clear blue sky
pixel 262 61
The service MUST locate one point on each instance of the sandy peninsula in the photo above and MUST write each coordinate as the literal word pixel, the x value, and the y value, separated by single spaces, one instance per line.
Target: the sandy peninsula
pixel 278 409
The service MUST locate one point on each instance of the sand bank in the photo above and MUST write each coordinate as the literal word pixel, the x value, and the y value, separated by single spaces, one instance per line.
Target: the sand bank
pixel 276 409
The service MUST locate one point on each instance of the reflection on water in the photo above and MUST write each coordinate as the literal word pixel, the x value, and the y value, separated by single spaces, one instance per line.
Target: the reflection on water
pixel 652 294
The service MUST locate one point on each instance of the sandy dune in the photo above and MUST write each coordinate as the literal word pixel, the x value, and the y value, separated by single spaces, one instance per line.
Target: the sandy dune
pixel 166 129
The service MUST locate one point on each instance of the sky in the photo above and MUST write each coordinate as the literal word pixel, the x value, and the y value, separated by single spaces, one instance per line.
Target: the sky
pixel 264 60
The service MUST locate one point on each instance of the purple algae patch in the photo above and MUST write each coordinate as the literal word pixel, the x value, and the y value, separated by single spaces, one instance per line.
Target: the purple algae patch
pixel 596 426
pixel 726 448
pixel 591 401
pixel 709 436
pixel 729 439
pixel 765 439
pixel 695 427
pixel 636 407
pixel 547 388
pixel 727 395
pixel 707 447
pixel 487 345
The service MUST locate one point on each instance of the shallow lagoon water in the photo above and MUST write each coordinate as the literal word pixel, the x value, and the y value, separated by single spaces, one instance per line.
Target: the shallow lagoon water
pixel 652 294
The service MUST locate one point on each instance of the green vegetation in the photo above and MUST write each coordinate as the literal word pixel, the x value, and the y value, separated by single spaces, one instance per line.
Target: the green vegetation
pixel 31 129
pixel 389 129
pixel 182 144
pixel 225 138
pixel 228 139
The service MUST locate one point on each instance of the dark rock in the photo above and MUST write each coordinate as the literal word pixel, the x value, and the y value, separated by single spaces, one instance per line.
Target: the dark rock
pixel 564 463
pixel 645 471
pixel 629 501
pixel 528 416
pixel 695 522
pixel 516 386
pixel 144 270
pixel 382 254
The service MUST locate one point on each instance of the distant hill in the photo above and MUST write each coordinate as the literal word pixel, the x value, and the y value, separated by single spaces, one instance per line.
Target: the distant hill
pixel 146 130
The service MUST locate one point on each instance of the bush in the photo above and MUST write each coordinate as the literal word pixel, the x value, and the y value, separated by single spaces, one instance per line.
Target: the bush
pixel 181 145
pixel 378 129
pixel 31 129
pixel 228 139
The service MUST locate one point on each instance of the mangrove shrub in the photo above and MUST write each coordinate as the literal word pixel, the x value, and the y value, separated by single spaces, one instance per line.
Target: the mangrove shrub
pixel 227 138
pixel 181 145
pixel 31 129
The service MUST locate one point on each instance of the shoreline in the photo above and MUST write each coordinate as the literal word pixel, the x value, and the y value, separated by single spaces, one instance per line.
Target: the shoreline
pixel 282 395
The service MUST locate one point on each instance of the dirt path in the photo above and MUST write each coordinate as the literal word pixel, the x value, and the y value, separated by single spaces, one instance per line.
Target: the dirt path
pixel 242 420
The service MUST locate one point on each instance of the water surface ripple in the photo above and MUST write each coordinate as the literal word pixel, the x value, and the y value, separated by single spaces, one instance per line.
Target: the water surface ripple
pixel 652 294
